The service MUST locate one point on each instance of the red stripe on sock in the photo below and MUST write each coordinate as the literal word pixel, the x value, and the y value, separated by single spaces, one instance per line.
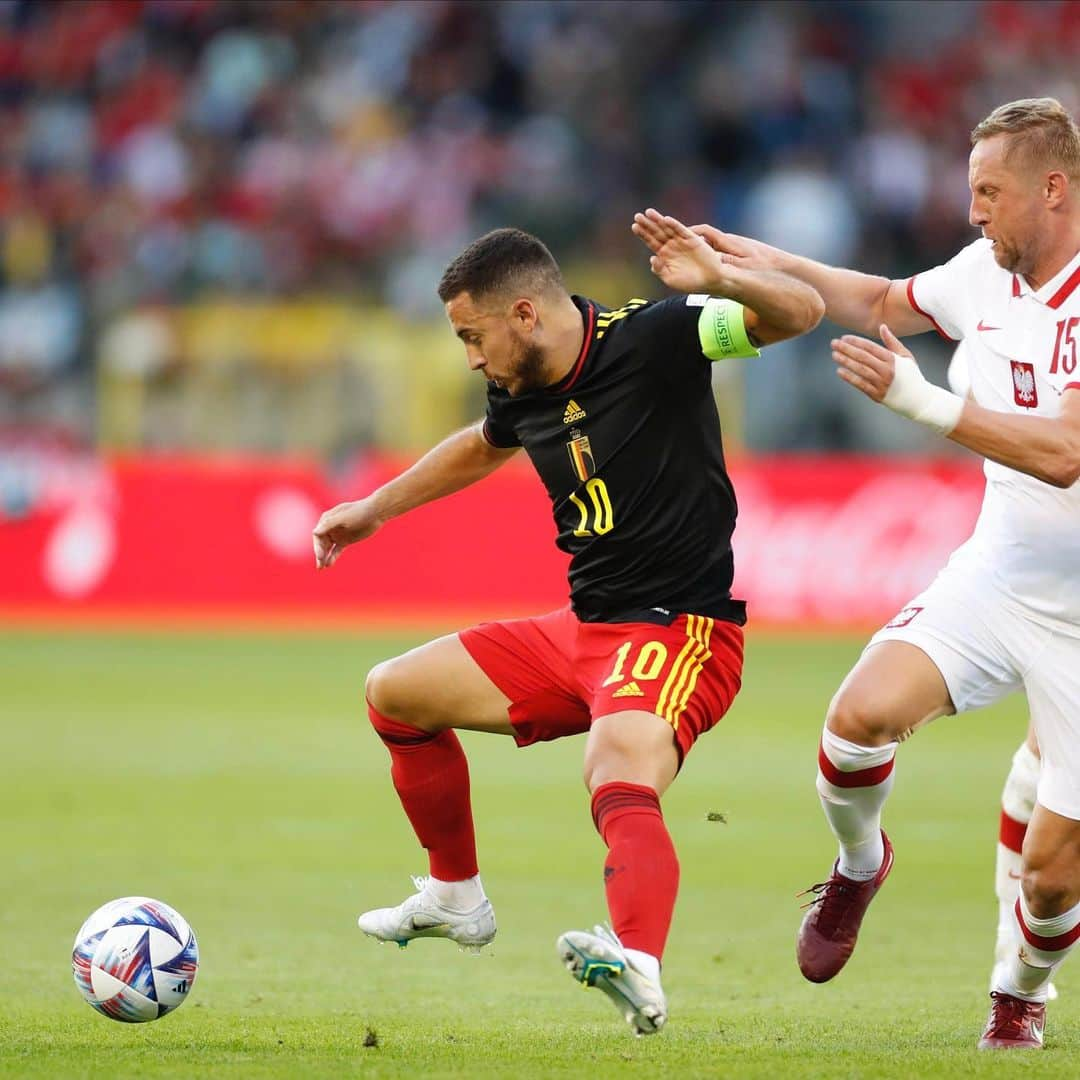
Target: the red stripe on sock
pixel 857 778
pixel 608 798
pixel 641 872
pixel 1047 944
pixel 431 777
pixel 1011 832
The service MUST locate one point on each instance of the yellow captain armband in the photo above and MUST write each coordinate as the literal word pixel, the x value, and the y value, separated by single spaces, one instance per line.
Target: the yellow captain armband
pixel 722 329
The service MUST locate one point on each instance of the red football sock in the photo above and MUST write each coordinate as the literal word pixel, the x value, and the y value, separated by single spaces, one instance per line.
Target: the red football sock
pixel 641 872
pixel 431 777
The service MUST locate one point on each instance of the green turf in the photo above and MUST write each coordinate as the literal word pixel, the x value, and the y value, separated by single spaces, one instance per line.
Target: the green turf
pixel 236 779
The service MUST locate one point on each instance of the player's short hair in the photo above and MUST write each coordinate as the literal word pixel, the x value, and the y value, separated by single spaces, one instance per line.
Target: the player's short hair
pixel 1041 133
pixel 502 261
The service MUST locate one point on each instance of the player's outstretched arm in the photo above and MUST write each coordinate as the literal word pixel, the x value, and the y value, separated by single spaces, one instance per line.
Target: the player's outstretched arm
pixel 854 300
pixel 775 305
pixel 1047 448
pixel 459 460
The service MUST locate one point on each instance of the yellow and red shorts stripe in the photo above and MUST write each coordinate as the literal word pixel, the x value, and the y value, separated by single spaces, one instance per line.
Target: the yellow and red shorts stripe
pixel 683 677
pixel 560 674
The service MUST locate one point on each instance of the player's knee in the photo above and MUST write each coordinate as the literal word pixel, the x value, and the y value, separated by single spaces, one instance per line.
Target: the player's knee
pixel 1048 891
pixel 385 689
pixel 607 768
pixel 631 758
pixel 860 717
pixel 587 775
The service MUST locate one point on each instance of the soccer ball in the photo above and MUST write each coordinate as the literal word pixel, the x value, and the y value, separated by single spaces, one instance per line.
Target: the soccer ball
pixel 135 959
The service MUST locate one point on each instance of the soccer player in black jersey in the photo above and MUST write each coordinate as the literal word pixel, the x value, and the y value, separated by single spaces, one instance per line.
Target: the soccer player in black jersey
pixel 616 413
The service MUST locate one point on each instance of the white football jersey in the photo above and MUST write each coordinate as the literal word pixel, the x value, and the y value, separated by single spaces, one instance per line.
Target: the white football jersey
pixel 1023 350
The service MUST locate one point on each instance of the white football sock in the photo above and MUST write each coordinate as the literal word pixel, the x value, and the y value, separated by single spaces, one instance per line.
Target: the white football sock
pixel 1029 978
pixel 460 896
pixel 853 809
pixel 1017 806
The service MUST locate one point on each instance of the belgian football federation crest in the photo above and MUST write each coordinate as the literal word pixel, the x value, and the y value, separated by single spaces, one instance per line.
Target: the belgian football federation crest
pixel 581 456
pixel 1025 393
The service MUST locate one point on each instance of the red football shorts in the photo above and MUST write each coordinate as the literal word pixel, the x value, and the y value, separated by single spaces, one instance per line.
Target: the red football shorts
pixel 560 673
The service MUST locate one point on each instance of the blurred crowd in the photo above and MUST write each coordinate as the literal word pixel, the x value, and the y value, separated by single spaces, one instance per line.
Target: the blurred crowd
pixel 156 151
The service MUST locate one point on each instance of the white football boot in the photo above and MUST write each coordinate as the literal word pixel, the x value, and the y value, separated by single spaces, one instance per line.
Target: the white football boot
pixel 421 915
pixel 598 959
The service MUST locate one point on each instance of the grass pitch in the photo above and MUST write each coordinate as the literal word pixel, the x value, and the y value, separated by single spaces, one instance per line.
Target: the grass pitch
pixel 236 778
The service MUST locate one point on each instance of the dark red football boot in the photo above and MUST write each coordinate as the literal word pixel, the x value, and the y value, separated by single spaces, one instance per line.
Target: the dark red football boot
pixel 1014 1024
pixel 831 925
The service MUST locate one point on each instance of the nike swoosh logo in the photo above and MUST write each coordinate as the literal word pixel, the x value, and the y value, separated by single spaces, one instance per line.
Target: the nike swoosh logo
pixel 983 326
pixel 1015 877
pixel 425 922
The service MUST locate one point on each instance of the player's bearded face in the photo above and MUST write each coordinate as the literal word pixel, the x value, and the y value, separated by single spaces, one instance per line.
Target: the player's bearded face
pixel 525 370
pixel 496 347
pixel 1012 229
pixel 1005 205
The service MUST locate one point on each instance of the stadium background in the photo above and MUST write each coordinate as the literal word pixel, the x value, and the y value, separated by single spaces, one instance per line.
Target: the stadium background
pixel 221 225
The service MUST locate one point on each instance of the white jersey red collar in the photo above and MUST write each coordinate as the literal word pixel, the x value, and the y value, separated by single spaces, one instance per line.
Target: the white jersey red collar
pixel 1057 290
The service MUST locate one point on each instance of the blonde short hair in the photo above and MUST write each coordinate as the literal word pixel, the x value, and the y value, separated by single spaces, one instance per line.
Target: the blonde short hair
pixel 1041 133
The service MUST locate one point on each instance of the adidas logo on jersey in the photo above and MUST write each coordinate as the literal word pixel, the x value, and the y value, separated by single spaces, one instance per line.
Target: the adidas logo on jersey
pixel 573 412
pixel 631 689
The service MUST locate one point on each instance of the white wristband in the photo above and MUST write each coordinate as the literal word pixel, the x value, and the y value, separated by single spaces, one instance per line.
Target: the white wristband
pixel 912 396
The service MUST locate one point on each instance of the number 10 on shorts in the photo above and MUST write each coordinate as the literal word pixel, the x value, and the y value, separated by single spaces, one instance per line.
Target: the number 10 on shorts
pixel 649 662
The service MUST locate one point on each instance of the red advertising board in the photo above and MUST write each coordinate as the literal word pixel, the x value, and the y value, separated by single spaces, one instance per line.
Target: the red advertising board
pixel 821 541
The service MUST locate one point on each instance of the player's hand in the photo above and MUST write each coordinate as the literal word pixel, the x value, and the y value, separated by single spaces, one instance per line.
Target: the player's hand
pixel 889 374
pixel 866 365
pixel 341 526
pixel 738 250
pixel 681 259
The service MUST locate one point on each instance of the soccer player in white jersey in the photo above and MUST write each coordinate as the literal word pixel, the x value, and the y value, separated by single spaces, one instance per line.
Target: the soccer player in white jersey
pixel 1005 612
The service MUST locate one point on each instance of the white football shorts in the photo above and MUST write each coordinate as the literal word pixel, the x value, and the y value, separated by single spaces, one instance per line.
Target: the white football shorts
pixel 986 646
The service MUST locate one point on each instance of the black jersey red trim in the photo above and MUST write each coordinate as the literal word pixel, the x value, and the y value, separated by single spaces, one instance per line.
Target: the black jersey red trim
pixel 568 380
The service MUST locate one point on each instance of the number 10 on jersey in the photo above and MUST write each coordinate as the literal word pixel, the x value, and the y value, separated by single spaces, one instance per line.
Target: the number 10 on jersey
pixel 600 512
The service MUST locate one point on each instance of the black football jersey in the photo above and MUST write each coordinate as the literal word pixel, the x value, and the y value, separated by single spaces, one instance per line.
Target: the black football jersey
pixel 628 446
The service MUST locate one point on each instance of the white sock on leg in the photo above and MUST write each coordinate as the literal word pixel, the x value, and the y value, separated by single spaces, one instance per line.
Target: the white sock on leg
pixel 1017 806
pixel 460 896
pixel 646 963
pixel 853 782
pixel 1046 943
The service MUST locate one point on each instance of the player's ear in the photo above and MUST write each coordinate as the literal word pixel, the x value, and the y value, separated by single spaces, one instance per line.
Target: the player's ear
pixel 1055 188
pixel 524 314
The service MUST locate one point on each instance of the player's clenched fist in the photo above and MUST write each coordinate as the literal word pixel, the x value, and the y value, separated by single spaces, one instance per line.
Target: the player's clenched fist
pixel 341 526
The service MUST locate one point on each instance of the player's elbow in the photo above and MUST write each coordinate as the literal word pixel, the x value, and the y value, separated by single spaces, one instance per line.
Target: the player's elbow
pixel 804 310
pixel 815 311
pixel 1063 474
pixel 805 314
pixel 1070 477
pixel 1063 469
